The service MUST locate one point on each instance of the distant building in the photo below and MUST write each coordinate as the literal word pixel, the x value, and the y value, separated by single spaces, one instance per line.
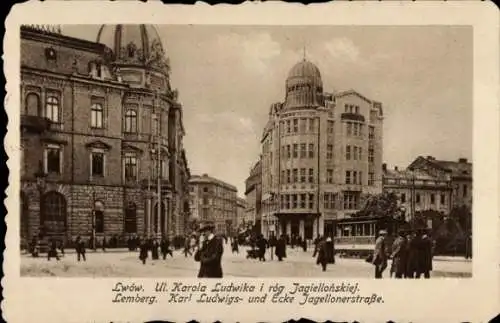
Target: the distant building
pixel 460 173
pixel 419 191
pixel 214 200
pixel 321 153
pixel 253 197
pixel 241 206
pixel 101 134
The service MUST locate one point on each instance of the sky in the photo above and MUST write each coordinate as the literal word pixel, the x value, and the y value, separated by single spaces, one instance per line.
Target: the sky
pixel 228 76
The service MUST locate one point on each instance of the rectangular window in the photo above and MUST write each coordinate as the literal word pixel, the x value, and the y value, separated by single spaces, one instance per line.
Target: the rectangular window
pixel 348 177
pixel 303 201
pixel 283 174
pixel 329 176
pixel 311 175
pixel 443 199
pixel 371 132
pixel 295 175
pixel 295 150
pixel 348 152
pixel 371 178
pixel 294 201
pixel 346 108
pixel 361 132
pixel 311 150
pixel 329 151
pixel 433 199
pixel 349 128
pixel 355 129
pixel 356 109
pixel 130 163
pixel 96 115
pixel 288 152
pixel 464 190
pixel 288 127
pixel 371 155
pixel 97 164
pixel 311 201
pixel 355 177
pixel 52 108
pixel 403 198
pixel 326 200
pixel 350 200
pixel 288 179
pixel 287 201
pixel 302 175
pixel 329 127
pixel 295 125
pixel 303 125
pixel 360 154
pixel 312 125
pixel 303 150
pixel 417 198
pixel 53 159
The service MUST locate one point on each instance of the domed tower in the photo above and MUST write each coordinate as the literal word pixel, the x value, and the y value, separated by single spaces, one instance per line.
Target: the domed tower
pixel 136 54
pixel 304 87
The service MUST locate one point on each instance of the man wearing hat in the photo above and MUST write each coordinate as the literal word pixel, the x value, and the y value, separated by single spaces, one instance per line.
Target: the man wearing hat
pixel 380 255
pixel 398 265
pixel 209 252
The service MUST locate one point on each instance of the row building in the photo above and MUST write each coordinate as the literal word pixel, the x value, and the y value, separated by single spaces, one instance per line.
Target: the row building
pixel 253 197
pixel 101 135
pixel 321 153
pixel 215 201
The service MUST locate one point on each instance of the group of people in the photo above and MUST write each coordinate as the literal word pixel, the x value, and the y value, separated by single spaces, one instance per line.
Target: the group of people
pixel 155 247
pixel 411 254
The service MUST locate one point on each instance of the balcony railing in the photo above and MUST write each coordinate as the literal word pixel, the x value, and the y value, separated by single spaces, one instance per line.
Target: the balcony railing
pixel 35 123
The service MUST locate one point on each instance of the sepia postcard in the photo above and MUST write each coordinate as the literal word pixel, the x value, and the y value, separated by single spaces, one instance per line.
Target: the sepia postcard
pixel 256 162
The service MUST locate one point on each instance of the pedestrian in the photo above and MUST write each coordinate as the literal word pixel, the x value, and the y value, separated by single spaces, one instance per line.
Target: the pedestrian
pixel 316 243
pixel 165 248
pixel 103 245
pixel 154 250
pixel 234 245
pixel 331 250
pixel 411 255
pixel 61 246
pixel 261 247
pixel 80 249
pixel 304 245
pixel 322 252
pixel 280 251
pixel 398 255
pixel 424 266
pixel 187 246
pixel 380 255
pixel 143 250
pixel 209 253
pixel 53 250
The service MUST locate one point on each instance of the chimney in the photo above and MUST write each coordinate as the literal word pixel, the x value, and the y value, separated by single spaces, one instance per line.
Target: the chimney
pixel 384 167
pixel 462 160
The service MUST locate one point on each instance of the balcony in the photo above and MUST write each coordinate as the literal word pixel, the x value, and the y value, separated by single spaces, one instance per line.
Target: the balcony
pixel 35 124
pixel 352 116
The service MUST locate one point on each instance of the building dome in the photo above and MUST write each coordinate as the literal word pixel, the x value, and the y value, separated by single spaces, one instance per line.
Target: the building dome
pixel 138 45
pixel 304 87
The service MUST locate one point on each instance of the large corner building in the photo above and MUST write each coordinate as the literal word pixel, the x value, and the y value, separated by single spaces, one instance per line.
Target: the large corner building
pixel 101 135
pixel 321 154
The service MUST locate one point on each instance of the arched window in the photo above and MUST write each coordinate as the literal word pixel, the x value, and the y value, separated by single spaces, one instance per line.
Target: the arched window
pixel 52 109
pixel 53 210
pixel 99 217
pixel 131 218
pixel 33 105
pixel 96 115
pixel 131 121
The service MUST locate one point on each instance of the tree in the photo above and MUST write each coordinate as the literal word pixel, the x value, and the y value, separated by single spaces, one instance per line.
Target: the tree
pixel 381 205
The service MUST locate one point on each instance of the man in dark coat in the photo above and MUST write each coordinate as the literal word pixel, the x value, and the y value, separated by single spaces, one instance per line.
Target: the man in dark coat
pixel 154 250
pixel 424 266
pixel 324 253
pixel 143 251
pixel 261 246
pixel 234 245
pixel 187 246
pixel 411 254
pixel 165 248
pixel 53 250
pixel 280 250
pixel 80 248
pixel 209 252
pixel 399 250
pixel 316 244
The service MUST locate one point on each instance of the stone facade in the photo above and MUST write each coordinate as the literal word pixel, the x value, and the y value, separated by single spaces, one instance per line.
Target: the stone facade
pixel 92 137
pixel 321 153
pixel 253 197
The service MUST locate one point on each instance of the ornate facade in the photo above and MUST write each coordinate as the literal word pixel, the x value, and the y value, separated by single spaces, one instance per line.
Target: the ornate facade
pixel 321 153
pixel 102 136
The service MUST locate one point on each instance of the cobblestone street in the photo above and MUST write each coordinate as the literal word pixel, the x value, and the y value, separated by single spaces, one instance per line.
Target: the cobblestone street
pixel 297 264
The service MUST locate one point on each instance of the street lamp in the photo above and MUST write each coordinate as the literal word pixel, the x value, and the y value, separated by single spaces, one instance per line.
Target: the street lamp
pixel 40 184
